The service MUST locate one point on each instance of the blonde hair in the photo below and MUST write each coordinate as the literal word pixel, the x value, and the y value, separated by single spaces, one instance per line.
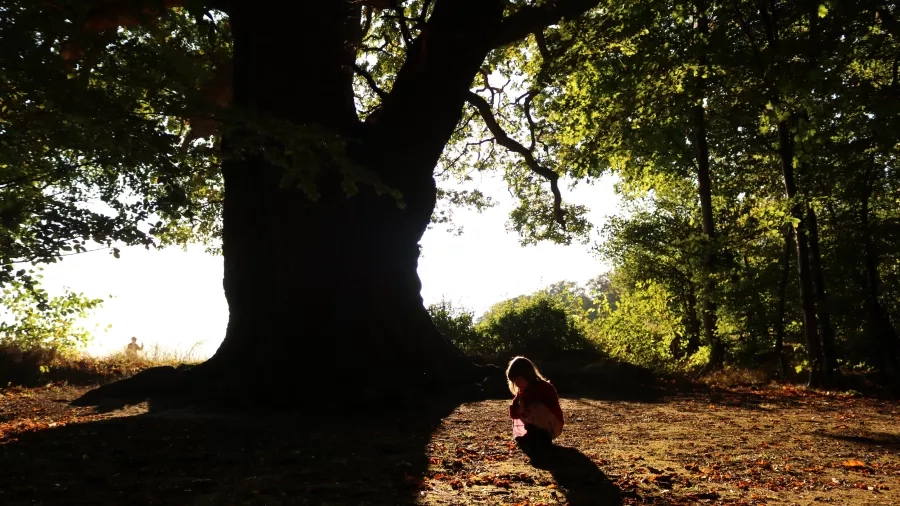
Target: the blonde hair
pixel 521 367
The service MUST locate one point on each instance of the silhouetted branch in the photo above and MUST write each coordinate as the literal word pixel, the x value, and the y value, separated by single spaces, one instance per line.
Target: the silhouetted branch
pixel 542 45
pixel 484 108
pixel 401 18
pixel 533 19
pixel 487 84
pixel 424 12
pixel 370 81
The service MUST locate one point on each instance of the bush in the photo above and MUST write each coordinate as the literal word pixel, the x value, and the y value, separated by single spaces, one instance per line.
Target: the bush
pixel 537 325
pixel 458 325
pixel 641 329
pixel 31 320
pixel 24 367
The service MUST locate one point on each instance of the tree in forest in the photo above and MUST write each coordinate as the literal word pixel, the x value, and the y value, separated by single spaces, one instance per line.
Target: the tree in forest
pixel 115 102
pixel 786 94
pixel 645 77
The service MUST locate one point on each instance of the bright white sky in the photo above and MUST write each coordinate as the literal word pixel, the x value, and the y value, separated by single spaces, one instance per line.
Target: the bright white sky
pixel 174 298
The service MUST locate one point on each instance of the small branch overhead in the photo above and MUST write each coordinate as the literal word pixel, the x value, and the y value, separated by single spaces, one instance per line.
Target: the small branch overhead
pixel 484 108
pixel 487 84
pixel 370 81
pixel 404 28
pixel 533 19
pixel 532 126
pixel 542 46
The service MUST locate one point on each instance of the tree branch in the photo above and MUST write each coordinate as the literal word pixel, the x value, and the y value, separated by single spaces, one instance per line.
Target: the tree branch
pixel 534 19
pixel 542 45
pixel 532 126
pixel 424 12
pixel 370 81
pixel 890 23
pixel 511 144
pixel 487 84
pixel 401 19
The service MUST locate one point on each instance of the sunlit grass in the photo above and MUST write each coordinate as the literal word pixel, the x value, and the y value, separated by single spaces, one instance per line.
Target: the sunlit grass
pixel 156 354
pixel 36 366
pixel 736 376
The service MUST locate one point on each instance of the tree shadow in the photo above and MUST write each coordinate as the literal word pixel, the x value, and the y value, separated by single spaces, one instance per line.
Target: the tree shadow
pixel 643 393
pixel 186 456
pixel 873 440
pixel 583 481
pixel 601 381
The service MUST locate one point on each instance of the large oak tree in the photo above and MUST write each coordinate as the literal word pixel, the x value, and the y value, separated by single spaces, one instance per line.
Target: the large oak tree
pixel 320 275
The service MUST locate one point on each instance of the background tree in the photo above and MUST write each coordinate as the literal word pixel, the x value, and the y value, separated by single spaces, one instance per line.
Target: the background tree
pixel 783 93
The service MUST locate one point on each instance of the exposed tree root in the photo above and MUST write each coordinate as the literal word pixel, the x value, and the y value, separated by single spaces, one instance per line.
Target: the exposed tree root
pixel 211 387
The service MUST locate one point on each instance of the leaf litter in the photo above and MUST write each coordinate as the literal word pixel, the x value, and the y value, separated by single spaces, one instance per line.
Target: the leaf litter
pixel 772 446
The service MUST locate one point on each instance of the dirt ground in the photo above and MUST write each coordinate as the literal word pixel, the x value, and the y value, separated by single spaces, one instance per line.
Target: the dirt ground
pixel 774 446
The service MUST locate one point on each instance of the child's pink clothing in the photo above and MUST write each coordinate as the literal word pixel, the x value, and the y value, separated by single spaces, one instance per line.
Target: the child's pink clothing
pixel 537 405
pixel 518 428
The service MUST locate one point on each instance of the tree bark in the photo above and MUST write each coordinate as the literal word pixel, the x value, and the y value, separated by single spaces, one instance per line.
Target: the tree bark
pixel 686 343
pixel 879 320
pixel 782 302
pixel 326 291
pixel 829 358
pixel 807 301
pixel 693 323
pixel 704 188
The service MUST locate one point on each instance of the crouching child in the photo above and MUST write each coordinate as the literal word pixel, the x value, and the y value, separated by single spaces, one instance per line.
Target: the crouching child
pixel 535 411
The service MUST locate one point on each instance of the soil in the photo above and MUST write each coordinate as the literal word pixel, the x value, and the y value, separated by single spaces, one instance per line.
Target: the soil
pixel 774 445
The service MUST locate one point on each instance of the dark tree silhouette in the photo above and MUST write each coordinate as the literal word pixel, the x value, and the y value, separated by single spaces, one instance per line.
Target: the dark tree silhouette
pixel 364 322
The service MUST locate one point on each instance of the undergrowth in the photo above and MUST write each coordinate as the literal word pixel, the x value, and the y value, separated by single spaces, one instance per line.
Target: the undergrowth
pixel 35 366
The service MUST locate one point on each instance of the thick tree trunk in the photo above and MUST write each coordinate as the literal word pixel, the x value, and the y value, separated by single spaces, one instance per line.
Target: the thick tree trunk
pixel 807 301
pixel 325 292
pixel 782 302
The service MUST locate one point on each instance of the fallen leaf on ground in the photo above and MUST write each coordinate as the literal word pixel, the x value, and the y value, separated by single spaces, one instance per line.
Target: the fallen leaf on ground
pixel 853 464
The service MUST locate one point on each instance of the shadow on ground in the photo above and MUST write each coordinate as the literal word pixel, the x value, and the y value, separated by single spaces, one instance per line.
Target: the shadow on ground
pixel 185 457
pixel 601 380
pixel 872 440
pixel 584 483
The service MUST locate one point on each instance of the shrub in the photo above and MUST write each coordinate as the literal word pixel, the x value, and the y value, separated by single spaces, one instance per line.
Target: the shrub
pixel 24 367
pixel 457 324
pixel 32 320
pixel 537 325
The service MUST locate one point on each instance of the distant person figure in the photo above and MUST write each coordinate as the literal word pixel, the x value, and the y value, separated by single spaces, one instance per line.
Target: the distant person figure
pixel 132 350
pixel 535 412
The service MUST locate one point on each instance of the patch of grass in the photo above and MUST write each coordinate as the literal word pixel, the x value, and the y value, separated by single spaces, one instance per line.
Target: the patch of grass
pixel 155 355
pixel 38 366
pixel 735 377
